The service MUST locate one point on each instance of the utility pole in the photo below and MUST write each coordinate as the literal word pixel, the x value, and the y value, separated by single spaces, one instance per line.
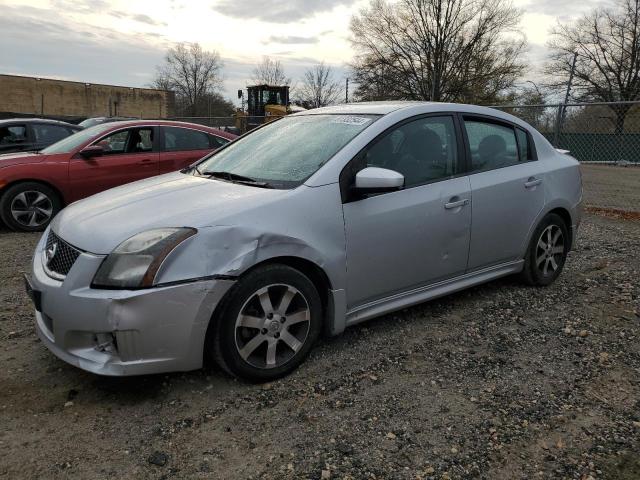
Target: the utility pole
pixel 562 108
pixel 346 90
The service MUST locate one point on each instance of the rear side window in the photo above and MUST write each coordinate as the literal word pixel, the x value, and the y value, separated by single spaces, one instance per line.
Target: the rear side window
pixel 492 145
pixel 179 139
pixel 48 134
pixel 12 135
pixel 524 146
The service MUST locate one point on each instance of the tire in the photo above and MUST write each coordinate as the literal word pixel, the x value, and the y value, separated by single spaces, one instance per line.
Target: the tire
pixel 545 257
pixel 39 203
pixel 257 340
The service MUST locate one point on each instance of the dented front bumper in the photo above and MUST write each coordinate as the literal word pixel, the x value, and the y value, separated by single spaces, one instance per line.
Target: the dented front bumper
pixel 123 332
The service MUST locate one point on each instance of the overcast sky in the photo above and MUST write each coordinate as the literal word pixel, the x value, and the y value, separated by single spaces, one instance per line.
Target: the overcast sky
pixel 121 41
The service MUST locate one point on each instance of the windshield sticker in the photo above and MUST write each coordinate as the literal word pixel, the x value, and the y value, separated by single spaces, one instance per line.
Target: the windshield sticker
pixel 349 120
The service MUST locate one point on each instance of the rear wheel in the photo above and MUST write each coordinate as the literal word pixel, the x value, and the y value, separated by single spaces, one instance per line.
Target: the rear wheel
pixel 29 206
pixel 547 252
pixel 268 324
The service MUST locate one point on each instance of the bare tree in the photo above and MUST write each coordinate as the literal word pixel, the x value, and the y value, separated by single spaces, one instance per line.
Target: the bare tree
pixel 607 68
pixel 193 73
pixel 318 88
pixel 269 72
pixel 441 50
pixel 528 101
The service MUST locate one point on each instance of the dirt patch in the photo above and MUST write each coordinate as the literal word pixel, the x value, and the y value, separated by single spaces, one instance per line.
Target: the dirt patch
pixel 501 381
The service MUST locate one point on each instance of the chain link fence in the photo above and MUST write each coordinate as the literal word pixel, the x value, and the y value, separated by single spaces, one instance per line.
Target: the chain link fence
pixel 232 123
pixel 604 133
pixel 604 137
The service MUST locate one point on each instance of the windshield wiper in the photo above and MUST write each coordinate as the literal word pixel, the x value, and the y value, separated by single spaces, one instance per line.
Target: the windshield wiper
pixel 235 178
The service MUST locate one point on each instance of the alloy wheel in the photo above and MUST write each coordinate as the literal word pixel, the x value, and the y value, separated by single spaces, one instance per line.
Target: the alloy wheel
pixel 550 250
pixel 272 326
pixel 31 208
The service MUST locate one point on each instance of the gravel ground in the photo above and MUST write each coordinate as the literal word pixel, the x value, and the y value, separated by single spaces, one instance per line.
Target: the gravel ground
pixel 498 382
pixel 610 186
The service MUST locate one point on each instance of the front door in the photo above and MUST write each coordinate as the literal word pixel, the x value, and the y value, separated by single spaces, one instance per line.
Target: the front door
pixel 416 236
pixel 128 155
pixel 507 189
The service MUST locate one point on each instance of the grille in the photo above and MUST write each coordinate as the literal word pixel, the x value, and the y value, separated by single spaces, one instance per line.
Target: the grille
pixel 59 256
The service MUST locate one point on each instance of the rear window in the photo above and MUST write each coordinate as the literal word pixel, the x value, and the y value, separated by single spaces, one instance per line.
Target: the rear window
pixel 217 142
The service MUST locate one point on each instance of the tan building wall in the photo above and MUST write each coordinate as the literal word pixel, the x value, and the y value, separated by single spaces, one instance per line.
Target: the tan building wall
pixel 42 96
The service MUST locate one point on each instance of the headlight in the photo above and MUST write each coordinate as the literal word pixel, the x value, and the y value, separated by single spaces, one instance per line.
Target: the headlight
pixel 135 262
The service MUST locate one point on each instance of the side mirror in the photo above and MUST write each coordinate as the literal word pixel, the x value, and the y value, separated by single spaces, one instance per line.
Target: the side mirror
pixel 91 151
pixel 378 180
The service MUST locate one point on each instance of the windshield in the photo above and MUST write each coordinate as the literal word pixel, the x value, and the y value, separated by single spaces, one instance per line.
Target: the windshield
pixel 90 122
pixel 72 142
pixel 288 151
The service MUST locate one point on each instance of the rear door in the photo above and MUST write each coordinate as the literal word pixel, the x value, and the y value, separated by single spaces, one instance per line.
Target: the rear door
pixel 507 190
pixel 129 154
pixel 182 146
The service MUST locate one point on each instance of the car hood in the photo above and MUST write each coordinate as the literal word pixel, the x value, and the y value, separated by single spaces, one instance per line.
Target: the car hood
pixel 100 223
pixel 17 158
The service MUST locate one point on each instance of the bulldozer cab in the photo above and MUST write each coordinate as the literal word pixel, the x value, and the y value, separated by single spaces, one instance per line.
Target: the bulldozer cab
pixel 259 96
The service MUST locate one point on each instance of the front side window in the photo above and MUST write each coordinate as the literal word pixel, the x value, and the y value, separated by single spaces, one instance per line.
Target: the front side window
pixel 422 150
pixel 286 152
pixel 13 135
pixel 179 139
pixel 134 140
pixel 492 145
pixel 48 134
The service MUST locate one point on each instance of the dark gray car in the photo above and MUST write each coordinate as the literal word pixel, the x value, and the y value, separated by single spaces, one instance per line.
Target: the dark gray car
pixel 31 134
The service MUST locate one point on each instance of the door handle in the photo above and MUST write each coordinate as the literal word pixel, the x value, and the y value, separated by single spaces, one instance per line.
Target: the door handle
pixel 456 203
pixel 532 182
pixel 146 160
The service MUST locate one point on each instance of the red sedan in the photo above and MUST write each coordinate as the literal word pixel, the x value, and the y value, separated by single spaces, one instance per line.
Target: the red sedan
pixel 35 186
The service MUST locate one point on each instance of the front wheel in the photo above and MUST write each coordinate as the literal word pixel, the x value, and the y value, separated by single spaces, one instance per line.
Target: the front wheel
pixel 547 251
pixel 29 206
pixel 268 324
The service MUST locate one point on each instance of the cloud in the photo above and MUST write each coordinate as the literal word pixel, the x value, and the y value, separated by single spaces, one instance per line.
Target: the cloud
pixel 142 18
pixel 85 53
pixel 277 11
pixel 564 9
pixel 88 7
pixel 292 40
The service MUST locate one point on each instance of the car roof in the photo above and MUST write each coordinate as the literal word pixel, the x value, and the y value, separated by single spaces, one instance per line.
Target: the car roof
pixel 168 123
pixel 363 108
pixel 414 108
pixel 37 120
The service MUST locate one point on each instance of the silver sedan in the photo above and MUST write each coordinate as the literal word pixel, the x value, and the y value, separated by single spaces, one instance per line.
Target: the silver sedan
pixel 307 225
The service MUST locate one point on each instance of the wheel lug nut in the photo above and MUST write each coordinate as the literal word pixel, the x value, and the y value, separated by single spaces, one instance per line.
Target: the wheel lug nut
pixel 264 331
pixel 283 319
pixel 270 316
pixel 277 335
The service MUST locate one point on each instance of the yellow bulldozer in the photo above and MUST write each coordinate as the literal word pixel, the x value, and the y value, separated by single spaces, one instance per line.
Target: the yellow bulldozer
pixel 264 103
